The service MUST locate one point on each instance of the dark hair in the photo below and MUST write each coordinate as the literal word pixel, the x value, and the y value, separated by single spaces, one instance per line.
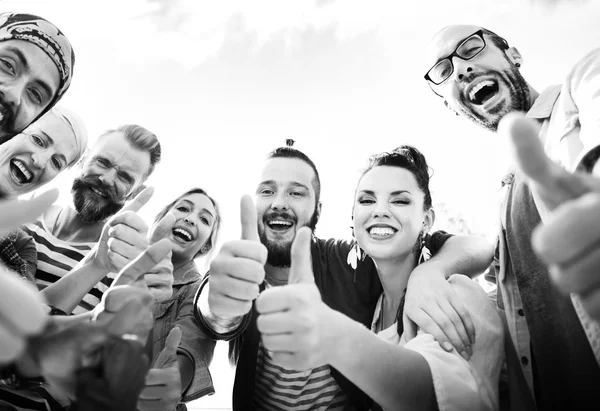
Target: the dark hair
pixel 210 243
pixel 409 158
pixel 142 139
pixel 289 152
pixel 500 42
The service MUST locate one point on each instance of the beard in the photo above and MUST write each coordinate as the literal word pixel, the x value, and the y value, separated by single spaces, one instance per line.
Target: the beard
pixel 280 253
pixel 90 208
pixel 7 124
pixel 519 99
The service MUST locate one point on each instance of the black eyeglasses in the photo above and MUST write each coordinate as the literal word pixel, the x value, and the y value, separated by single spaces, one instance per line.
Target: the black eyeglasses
pixel 466 50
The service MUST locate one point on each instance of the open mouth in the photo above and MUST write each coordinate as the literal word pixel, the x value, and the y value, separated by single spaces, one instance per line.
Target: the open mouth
pixel 183 234
pixel 280 225
pixel 381 231
pixel 98 192
pixel 20 172
pixel 483 91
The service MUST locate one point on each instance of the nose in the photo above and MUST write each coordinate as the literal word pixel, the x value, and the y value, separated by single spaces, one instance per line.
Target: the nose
pixel 12 93
pixel 108 177
pixel 381 210
pixel 40 159
pixel 461 68
pixel 280 202
pixel 189 221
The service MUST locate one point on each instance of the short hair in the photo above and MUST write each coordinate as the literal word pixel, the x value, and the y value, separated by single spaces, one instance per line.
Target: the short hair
pixel 142 139
pixel 408 158
pixel 499 41
pixel 212 240
pixel 289 152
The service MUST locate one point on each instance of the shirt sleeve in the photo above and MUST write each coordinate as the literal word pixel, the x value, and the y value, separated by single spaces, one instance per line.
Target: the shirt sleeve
pixel 462 385
pixel 27 250
pixel 436 241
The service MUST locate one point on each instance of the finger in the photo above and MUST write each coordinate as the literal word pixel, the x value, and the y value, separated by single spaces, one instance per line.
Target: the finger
pixel 134 271
pixel 130 219
pixel 283 342
pixel 465 317
pixel 236 289
pixel 140 200
pixel 11 346
pixel 21 306
pixel 591 303
pixel 275 300
pixel 429 326
pixel 447 328
pixel 162 228
pixel 301 270
pixel 168 356
pixel 248 219
pixel 127 234
pixel 451 314
pixel 15 212
pixel 409 328
pixel 243 269
pixel 116 298
pixel 570 232
pixel 275 323
pixel 133 318
pixel 580 275
pixel 124 249
pixel 246 249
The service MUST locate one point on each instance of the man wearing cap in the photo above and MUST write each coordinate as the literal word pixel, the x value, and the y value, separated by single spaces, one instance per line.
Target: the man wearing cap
pixel 36 68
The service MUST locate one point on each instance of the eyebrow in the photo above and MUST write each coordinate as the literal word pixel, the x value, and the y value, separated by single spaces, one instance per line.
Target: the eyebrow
pixel 192 205
pixel 51 140
pixel 23 60
pixel 393 193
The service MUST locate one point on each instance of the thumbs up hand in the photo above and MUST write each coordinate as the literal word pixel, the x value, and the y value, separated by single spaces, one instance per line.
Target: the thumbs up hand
pixel 163 381
pixel 159 279
pixel 294 322
pixel 238 270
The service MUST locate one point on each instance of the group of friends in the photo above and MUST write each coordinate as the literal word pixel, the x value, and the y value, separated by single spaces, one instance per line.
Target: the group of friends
pixel 100 310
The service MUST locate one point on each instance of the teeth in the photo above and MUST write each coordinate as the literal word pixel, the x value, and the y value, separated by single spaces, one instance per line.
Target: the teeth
pixel 478 87
pixel 23 169
pixel 183 233
pixel 100 193
pixel 1 116
pixel 382 231
pixel 278 222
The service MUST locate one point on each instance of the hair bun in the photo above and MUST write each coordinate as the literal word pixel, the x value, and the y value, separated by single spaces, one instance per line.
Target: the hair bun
pixel 289 142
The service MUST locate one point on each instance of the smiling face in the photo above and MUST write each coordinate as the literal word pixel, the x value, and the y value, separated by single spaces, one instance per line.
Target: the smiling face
pixel 35 156
pixel 113 172
pixel 388 213
pixel 29 81
pixel 285 201
pixel 195 217
pixel 484 88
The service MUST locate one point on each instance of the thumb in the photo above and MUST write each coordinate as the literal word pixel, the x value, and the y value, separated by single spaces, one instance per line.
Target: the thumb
pixel 16 212
pixel 140 200
pixel 409 328
pixel 301 270
pixel 162 228
pixel 168 356
pixel 248 219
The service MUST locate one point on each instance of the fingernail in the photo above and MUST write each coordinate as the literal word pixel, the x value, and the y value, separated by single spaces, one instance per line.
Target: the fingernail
pixel 465 355
pixel 447 346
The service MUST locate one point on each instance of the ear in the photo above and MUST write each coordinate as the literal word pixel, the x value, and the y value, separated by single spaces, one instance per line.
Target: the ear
pixel 429 220
pixel 318 210
pixel 514 56
pixel 136 191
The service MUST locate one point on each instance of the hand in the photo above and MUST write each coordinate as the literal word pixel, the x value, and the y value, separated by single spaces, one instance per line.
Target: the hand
pixel 123 237
pixel 22 315
pixel 238 270
pixel 297 327
pixel 568 240
pixel 15 212
pixel 129 286
pixel 163 381
pixel 431 305
pixel 159 279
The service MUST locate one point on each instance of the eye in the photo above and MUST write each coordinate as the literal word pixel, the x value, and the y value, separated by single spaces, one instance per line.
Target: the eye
pixel 401 201
pixel 102 162
pixel 205 220
pixel 266 192
pixel 36 96
pixel 297 194
pixel 8 66
pixel 183 209
pixel 38 141
pixel 56 163
pixel 366 201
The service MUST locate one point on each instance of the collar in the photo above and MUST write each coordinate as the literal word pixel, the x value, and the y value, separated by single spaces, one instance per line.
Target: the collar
pixel 186 274
pixel 544 104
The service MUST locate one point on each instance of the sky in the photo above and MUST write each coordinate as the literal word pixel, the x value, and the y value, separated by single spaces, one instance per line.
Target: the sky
pixel 223 83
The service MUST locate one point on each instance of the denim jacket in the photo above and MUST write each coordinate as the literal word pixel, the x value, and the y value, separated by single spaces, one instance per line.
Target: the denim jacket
pixel 179 310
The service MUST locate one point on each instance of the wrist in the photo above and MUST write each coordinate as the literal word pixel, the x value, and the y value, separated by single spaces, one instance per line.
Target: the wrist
pixel 432 268
pixel 343 333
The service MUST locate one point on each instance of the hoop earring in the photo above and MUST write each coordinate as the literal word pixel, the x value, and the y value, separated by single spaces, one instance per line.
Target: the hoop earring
pixel 518 65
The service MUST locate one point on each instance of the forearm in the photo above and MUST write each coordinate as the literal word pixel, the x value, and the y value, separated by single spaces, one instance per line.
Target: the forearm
pixel 67 292
pixel 394 377
pixel 469 255
pixel 216 324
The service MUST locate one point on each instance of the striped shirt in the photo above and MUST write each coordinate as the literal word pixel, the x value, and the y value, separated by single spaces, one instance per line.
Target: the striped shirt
pixel 57 257
pixel 281 389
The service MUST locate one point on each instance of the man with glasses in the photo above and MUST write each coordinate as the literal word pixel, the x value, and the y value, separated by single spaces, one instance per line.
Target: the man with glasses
pixel 550 355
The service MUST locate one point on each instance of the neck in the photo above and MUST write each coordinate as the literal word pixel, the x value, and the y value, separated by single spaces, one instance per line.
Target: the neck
pixel 533 95
pixel 394 275
pixel 178 263
pixel 277 275
pixel 69 226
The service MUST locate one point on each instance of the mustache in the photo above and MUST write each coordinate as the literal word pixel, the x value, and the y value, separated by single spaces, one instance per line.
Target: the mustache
pixel 81 183
pixel 8 120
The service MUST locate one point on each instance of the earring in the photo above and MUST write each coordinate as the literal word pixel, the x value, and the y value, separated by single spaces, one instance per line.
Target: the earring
pixel 518 65
pixel 356 253
pixel 425 253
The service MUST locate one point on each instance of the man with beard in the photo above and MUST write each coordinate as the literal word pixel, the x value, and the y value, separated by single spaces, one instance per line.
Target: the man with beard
pixel 112 172
pixel 37 68
pixel 550 361
pixel 287 198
